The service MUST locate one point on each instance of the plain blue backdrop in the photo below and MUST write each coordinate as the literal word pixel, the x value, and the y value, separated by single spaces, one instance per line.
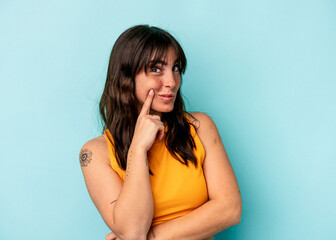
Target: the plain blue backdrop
pixel 263 70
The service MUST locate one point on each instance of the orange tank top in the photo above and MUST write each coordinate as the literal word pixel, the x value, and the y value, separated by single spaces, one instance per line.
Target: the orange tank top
pixel 176 188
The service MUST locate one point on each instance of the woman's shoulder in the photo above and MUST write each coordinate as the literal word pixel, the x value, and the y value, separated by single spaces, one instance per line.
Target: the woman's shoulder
pixel 204 125
pixel 200 119
pixel 99 141
pixel 96 148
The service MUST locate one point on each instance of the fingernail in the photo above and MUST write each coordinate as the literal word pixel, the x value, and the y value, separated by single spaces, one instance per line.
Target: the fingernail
pixel 151 92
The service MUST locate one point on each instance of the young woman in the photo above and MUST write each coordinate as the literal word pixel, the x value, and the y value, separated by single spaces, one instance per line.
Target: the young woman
pixel 157 172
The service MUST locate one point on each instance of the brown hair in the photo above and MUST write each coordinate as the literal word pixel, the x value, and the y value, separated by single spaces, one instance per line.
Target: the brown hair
pixel 133 51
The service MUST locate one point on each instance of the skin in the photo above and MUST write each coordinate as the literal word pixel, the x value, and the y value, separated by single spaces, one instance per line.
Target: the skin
pixel 163 78
pixel 127 207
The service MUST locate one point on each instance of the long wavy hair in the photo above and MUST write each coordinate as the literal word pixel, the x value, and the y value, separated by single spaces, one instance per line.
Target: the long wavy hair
pixel 133 51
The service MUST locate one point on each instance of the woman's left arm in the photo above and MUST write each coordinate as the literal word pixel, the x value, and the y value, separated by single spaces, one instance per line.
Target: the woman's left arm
pixel 224 206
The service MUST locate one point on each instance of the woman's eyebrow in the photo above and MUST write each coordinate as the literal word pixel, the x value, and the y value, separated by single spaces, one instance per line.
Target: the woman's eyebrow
pixel 157 61
pixel 154 62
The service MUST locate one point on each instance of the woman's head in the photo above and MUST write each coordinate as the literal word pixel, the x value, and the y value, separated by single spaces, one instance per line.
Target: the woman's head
pixel 145 57
pixel 164 78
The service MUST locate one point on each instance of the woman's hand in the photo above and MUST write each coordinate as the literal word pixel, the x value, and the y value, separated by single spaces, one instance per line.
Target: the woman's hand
pixel 148 127
pixel 111 236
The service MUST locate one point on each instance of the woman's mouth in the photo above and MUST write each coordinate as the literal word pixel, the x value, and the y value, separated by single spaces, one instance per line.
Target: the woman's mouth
pixel 166 98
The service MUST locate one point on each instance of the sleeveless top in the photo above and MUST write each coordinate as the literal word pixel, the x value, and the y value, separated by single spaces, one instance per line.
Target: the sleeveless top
pixel 177 189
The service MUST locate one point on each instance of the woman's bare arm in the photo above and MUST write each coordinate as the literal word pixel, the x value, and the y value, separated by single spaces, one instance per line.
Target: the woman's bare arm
pixel 126 207
pixel 224 206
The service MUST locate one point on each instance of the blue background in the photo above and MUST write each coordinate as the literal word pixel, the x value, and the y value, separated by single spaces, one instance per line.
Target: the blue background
pixel 263 70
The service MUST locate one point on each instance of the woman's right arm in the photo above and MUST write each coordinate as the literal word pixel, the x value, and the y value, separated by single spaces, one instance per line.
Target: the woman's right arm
pixel 126 207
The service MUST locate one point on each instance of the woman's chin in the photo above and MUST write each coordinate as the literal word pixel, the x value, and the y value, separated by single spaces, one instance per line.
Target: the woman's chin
pixel 159 111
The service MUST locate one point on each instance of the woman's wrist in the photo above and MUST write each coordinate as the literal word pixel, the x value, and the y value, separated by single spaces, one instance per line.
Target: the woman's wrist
pixel 137 152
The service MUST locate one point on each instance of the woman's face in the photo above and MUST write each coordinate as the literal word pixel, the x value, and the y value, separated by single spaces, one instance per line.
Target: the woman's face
pixel 165 79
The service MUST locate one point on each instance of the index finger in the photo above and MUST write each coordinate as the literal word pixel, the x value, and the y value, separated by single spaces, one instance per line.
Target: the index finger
pixel 147 104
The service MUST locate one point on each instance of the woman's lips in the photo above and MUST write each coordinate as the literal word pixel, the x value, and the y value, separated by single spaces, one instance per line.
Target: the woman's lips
pixel 166 97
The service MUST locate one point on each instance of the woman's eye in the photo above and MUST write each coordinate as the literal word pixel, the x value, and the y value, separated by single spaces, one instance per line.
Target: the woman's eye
pixel 176 69
pixel 156 69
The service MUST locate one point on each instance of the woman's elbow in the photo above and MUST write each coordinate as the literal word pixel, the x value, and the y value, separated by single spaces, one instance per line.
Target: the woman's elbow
pixel 130 235
pixel 236 218
pixel 129 229
pixel 232 214
pixel 236 213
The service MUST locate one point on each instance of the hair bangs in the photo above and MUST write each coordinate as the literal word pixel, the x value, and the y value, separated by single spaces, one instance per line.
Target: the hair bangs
pixel 155 50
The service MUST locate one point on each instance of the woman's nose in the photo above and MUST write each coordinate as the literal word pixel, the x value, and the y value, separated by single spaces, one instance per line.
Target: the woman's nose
pixel 170 80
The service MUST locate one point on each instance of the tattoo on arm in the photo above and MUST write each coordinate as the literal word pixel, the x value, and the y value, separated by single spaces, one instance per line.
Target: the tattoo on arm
pixel 113 201
pixel 85 157
pixel 153 234
pixel 129 159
